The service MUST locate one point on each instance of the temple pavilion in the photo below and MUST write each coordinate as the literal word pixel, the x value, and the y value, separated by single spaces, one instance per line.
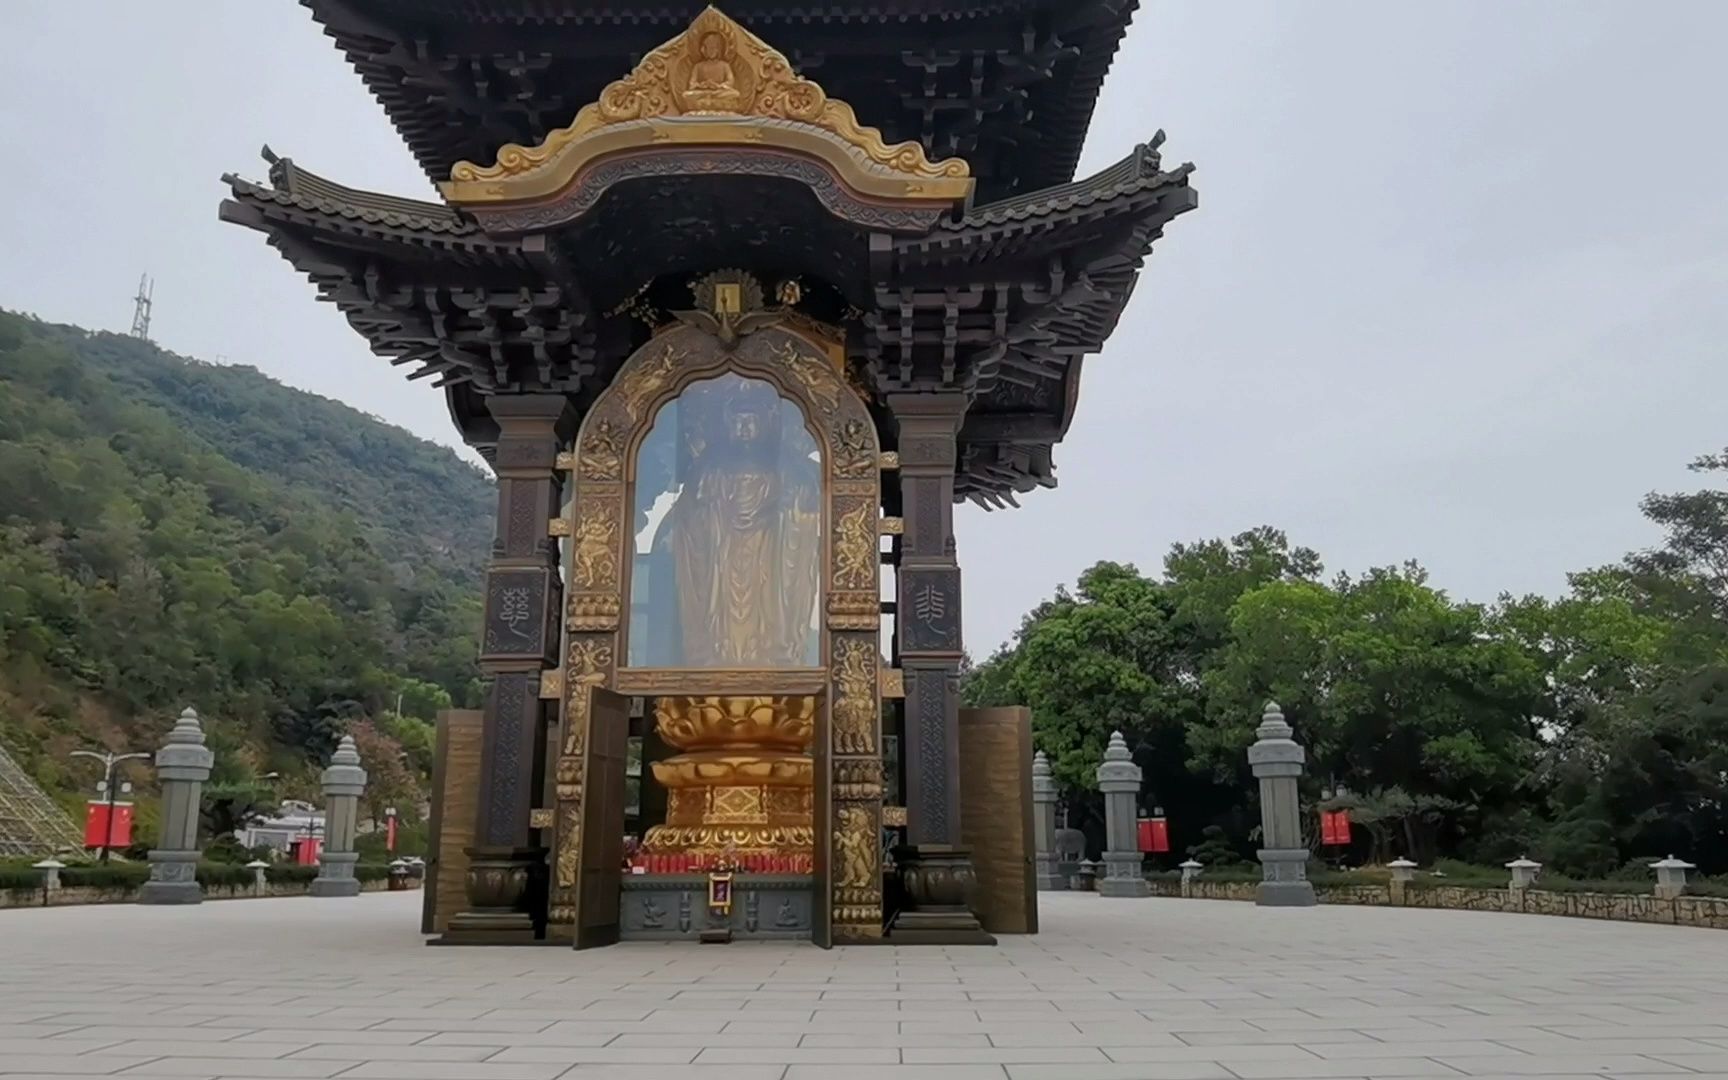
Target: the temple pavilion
pixel 738 304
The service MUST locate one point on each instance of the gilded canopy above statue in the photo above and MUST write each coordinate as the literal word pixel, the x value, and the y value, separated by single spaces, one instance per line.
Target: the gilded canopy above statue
pixel 716 85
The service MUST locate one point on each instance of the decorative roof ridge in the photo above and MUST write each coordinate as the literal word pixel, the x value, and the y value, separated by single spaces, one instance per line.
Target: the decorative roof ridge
pixel 293 185
pixel 715 69
pixel 1141 170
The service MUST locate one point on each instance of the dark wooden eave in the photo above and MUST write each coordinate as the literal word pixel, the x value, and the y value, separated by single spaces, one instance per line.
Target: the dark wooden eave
pixel 1009 85
pixel 1003 301
pixel 1008 299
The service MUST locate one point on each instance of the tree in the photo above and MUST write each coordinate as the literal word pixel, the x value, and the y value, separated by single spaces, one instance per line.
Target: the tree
pixel 229 806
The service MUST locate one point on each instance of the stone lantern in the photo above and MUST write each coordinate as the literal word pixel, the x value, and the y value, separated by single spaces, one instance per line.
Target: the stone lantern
pixel 1524 871
pixel 1671 876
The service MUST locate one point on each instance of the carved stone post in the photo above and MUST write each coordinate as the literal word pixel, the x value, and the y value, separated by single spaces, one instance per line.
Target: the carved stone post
pixel 1277 763
pixel 1119 780
pixel 182 766
pixel 936 869
pixel 520 638
pixel 344 783
pixel 1050 878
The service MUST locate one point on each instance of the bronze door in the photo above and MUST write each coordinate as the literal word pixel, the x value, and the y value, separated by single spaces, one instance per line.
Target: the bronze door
pixel 602 880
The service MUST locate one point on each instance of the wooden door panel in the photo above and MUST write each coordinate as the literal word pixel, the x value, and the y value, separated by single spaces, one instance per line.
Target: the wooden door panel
pixel 600 883
pixel 996 816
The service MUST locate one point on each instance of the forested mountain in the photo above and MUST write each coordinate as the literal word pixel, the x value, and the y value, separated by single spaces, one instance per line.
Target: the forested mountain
pixel 179 533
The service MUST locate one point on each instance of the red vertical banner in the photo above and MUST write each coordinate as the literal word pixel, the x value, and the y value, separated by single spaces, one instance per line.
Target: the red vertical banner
pixel 390 833
pixel 1335 827
pixel 100 831
pixel 1160 836
pixel 95 824
pixel 1341 826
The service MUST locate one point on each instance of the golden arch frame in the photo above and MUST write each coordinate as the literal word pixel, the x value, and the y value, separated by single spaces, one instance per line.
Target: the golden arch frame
pixel 848 739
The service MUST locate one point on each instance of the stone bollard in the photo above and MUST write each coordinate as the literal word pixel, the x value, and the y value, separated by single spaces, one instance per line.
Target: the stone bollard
pixel 1119 780
pixel 1670 877
pixel 344 783
pixel 1044 824
pixel 1277 763
pixel 182 766
pixel 1524 871
pixel 50 868
pixel 1403 873
pixel 259 881
pixel 1190 873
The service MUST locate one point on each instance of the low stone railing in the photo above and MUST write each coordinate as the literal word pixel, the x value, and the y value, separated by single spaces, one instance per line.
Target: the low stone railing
pixel 1704 911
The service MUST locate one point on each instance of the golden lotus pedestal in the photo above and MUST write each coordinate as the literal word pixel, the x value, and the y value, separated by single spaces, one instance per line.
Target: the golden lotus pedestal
pixel 742 784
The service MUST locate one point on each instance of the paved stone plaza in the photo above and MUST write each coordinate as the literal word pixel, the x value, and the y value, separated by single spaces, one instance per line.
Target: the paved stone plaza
pixel 1113 990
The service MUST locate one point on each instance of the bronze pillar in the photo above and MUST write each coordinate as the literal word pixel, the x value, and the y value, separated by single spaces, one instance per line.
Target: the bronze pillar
pixel 506 880
pixel 936 870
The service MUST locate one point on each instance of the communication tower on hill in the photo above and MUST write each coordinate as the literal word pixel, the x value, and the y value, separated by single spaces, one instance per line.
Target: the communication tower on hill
pixel 141 308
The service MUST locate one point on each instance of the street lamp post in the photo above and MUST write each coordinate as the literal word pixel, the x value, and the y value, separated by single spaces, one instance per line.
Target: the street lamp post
pixel 109 787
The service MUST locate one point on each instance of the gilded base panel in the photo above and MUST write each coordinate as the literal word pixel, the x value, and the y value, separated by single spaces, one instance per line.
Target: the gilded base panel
pixel 744 784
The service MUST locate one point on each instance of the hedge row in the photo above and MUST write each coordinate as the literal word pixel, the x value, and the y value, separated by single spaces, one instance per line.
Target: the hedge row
pixel 128 876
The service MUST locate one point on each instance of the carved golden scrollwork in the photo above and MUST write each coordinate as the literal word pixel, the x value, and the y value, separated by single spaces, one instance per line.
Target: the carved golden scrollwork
pixel 715 83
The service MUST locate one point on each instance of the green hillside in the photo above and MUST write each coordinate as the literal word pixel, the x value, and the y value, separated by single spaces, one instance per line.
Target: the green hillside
pixel 174 532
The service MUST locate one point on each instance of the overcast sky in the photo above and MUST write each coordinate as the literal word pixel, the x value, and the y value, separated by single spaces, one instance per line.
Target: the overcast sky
pixel 1455 290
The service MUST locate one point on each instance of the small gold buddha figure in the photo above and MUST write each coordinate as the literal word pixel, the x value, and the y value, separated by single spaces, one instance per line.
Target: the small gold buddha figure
pixel 713 84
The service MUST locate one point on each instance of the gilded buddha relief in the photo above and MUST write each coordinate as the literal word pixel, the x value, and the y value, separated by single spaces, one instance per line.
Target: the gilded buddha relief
pixel 729 531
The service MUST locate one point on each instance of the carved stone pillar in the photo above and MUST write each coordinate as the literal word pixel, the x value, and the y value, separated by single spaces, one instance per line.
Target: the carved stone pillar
pixel 182 766
pixel 343 782
pixel 936 869
pixel 1277 761
pixel 519 639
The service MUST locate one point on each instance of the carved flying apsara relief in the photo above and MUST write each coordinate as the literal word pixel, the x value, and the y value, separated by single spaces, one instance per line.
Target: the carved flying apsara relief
pixel 640 385
pixel 813 374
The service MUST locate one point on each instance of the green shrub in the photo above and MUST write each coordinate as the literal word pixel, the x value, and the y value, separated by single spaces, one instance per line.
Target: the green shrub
pixel 123 877
pixel 371 871
pixel 229 875
pixel 290 873
pixel 1463 873
pixel 19 879
pixel 1351 877
pixel 1563 884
